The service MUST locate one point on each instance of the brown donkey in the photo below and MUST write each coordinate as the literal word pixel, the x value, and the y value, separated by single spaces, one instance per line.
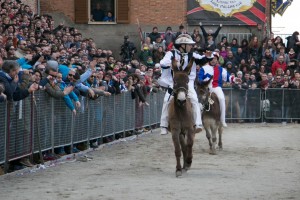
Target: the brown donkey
pixel 210 115
pixel 181 118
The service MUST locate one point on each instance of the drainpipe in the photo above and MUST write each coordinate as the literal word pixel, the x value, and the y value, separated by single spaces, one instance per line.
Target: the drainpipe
pixel 38 7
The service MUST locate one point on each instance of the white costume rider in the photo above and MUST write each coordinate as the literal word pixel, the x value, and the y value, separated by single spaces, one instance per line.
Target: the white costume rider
pixel 219 74
pixel 185 42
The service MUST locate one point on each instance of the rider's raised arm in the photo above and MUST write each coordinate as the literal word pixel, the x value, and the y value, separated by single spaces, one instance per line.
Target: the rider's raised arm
pixel 198 56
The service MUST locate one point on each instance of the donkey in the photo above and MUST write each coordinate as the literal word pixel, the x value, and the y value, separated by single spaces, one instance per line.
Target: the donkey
pixel 181 122
pixel 210 115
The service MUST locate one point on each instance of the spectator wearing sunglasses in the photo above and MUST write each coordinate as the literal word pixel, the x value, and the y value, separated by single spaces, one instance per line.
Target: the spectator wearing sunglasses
pixel 50 81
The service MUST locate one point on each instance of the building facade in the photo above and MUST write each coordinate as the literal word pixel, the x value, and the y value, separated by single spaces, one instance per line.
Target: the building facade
pixel 126 14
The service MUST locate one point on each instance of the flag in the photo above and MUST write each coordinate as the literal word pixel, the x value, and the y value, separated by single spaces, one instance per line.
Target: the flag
pixel 282 8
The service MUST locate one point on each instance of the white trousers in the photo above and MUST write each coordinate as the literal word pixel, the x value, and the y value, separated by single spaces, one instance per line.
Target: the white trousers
pixel 164 120
pixel 219 92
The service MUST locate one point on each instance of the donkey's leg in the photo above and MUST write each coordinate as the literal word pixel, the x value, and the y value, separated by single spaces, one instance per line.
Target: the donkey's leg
pixel 220 144
pixel 208 136
pixel 214 129
pixel 175 138
pixel 183 147
pixel 190 137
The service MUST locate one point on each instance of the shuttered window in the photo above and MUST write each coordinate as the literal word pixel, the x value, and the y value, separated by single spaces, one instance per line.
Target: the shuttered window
pixel 84 8
pixel 123 11
pixel 81 11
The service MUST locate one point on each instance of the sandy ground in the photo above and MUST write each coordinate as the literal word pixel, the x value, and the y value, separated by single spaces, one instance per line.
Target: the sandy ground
pixel 258 162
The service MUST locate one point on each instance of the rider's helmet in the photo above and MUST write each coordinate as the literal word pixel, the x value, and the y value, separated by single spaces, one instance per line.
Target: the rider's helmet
pixel 184 39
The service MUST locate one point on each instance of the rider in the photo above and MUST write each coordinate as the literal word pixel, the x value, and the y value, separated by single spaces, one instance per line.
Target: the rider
pixel 220 74
pixel 182 54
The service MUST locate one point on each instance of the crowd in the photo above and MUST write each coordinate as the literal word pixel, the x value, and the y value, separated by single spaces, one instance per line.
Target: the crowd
pixel 36 55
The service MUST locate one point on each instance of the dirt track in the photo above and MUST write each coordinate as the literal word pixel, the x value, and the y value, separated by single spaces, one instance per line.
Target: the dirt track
pixel 258 162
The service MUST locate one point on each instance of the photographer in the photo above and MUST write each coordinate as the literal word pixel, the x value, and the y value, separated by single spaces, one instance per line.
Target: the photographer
pixel 127 50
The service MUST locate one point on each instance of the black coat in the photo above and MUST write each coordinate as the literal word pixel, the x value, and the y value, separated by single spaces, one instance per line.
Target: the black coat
pixel 12 91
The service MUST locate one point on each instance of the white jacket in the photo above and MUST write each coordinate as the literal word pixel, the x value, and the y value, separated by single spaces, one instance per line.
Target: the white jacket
pixel 166 79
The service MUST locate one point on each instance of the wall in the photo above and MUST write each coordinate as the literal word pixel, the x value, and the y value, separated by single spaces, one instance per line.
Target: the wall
pixel 160 13
pixel 32 4
pixel 58 6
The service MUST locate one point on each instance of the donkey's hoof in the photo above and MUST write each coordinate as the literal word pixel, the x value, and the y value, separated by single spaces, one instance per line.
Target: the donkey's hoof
pixel 212 152
pixel 187 166
pixel 178 172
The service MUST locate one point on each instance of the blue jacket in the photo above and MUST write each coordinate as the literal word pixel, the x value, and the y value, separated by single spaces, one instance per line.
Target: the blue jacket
pixel 68 98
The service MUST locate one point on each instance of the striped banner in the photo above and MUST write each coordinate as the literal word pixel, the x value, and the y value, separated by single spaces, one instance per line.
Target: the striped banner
pixel 233 12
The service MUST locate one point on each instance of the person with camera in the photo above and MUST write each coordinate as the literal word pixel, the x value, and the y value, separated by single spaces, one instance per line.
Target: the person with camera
pixel 127 50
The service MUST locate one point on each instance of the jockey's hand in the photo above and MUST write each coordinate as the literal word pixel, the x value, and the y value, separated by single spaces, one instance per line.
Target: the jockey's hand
pixel 201 106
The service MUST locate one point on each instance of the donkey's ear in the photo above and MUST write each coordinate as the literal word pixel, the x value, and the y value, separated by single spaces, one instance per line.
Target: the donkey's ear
pixel 205 83
pixel 174 65
pixel 189 66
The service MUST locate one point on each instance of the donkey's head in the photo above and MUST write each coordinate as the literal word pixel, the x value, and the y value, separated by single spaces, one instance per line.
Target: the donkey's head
pixel 181 80
pixel 203 90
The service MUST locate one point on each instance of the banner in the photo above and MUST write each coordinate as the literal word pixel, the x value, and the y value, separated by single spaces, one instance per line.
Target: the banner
pixel 226 12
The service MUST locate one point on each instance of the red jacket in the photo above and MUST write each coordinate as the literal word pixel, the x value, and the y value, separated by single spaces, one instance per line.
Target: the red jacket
pixel 277 65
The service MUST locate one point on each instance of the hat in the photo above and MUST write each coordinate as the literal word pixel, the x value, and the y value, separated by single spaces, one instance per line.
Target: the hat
pixel 239 73
pixel 228 63
pixel 157 65
pixel 291 51
pixel 52 64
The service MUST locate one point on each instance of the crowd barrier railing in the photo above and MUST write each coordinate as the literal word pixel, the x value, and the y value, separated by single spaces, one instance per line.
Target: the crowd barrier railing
pixel 47 122
pixel 272 105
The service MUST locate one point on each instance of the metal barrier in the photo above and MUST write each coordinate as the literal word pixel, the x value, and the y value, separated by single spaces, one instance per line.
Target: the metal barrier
pixel 44 119
pixel 55 126
pixel 243 104
pixel 19 134
pixel 3 129
pixel 284 104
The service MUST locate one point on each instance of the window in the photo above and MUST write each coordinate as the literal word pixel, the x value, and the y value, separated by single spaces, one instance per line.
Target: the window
pixel 102 11
pixel 85 12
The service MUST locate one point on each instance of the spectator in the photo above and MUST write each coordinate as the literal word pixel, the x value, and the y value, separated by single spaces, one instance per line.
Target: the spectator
pixel 97 13
pixel 281 52
pixel 154 34
pixel 109 17
pixel 209 32
pixel 223 43
pixel 234 46
pixel 294 42
pixel 245 48
pixel 169 37
pixel 181 30
pixel 279 63
pixel 255 48
pixel 2 95
pixel 10 79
